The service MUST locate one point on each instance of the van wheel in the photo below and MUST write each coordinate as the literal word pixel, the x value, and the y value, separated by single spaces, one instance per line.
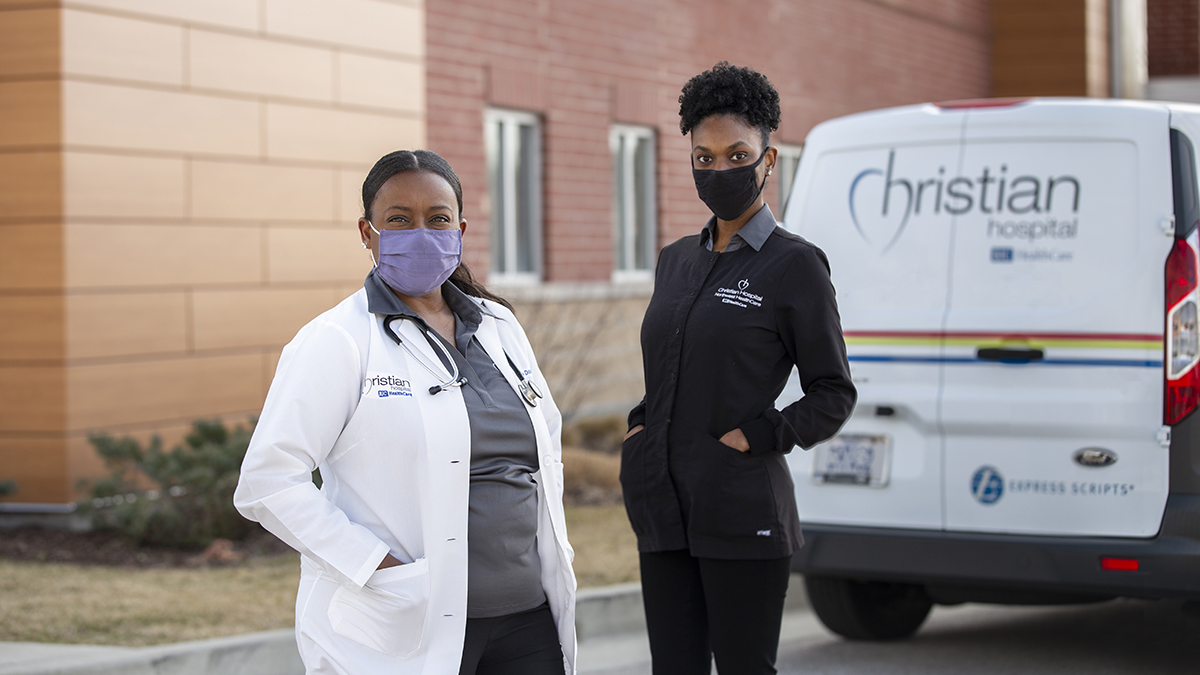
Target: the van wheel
pixel 868 610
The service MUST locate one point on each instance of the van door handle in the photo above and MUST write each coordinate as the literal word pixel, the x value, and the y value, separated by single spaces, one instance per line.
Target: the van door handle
pixel 1010 355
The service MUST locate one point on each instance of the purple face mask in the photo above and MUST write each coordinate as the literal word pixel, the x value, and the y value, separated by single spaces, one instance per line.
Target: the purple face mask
pixel 416 262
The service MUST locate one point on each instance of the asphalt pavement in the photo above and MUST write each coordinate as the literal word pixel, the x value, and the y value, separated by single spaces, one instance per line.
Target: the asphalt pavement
pixel 1123 637
pixel 1119 637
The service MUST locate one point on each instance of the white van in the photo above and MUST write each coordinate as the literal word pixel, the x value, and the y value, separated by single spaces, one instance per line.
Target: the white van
pixel 1018 290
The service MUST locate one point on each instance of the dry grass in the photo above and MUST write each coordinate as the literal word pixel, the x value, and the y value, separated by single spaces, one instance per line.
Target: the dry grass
pixel 55 602
pixel 605 547
pixel 75 604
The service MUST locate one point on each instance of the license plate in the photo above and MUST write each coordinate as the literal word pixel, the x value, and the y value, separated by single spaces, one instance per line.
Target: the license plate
pixel 853 460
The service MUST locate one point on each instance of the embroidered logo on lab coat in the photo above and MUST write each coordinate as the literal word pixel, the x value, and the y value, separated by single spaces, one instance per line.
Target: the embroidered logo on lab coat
pixel 384 386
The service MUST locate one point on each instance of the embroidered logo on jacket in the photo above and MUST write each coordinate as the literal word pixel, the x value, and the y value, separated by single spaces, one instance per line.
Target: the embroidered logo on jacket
pixel 739 296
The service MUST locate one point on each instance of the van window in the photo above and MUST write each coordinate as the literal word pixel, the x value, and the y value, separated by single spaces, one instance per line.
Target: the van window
pixel 1183 184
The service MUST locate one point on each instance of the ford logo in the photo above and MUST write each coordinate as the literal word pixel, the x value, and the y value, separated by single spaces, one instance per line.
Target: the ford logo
pixel 1095 457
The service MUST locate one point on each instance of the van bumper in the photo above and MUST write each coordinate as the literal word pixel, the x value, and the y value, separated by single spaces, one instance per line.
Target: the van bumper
pixel 1168 564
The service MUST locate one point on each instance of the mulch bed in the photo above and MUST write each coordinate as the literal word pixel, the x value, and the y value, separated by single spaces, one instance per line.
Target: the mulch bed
pixel 113 549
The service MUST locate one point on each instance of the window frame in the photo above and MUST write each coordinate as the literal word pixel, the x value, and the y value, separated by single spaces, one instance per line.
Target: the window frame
pixel 787 173
pixel 630 132
pixel 510 123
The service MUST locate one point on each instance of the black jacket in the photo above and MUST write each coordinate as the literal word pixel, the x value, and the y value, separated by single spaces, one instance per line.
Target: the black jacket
pixel 719 339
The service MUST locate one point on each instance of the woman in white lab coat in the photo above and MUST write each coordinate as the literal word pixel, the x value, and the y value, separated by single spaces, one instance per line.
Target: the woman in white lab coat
pixel 436 543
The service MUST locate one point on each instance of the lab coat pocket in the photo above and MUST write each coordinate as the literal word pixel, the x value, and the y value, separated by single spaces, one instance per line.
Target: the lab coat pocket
pixel 388 613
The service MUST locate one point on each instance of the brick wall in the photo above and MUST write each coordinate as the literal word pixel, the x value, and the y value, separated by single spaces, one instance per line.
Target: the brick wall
pixel 178 195
pixel 583 66
pixel 1173 37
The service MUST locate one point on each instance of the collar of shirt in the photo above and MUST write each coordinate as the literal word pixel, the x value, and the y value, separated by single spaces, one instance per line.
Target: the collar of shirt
pixel 754 232
pixel 381 299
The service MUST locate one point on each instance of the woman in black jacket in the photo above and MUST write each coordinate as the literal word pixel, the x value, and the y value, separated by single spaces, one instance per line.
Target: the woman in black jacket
pixel 735 307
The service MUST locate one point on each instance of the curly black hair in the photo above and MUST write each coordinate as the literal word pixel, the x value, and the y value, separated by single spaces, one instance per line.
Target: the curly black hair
pixel 730 90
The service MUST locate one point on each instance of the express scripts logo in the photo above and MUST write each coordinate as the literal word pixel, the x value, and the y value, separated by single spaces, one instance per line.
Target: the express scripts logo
pixel 988 486
pixel 883 202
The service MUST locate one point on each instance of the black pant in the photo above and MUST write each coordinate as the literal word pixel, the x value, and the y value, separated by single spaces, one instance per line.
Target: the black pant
pixel 525 643
pixel 701 608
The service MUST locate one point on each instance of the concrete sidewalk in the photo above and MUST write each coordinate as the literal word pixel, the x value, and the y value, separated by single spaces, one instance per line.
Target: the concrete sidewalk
pixel 609 620
pixel 267 653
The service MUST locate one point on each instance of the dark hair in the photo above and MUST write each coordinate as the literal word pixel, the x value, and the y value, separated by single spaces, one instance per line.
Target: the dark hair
pixel 425 160
pixel 730 90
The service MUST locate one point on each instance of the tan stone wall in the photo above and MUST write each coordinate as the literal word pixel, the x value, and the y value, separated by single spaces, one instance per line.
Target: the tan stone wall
pixel 32 337
pixel 178 192
pixel 1097 43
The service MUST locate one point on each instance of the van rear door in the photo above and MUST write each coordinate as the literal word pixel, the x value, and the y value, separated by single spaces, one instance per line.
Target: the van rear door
pixel 1052 396
pixel 889 251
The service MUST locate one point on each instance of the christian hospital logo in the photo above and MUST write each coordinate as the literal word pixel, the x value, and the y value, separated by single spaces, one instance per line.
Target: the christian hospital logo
pixel 384 386
pixel 1018 206
pixel 739 296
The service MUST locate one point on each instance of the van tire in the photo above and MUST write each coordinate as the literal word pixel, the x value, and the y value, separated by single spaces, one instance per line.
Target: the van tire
pixel 868 610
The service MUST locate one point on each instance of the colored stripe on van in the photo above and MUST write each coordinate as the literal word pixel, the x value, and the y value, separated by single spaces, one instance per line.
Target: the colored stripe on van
pixel 952 339
pixel 1136 341
pixel 1115 363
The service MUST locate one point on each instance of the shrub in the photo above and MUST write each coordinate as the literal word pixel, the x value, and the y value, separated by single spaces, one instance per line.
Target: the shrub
pixel 180 498
pixel 8 488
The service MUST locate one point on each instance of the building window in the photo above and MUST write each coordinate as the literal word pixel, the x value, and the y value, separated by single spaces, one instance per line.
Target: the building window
pixel 786 164
pixel 514 159
pixel 635 207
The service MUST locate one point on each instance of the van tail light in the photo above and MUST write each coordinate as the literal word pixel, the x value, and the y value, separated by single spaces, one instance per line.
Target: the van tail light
pixel 1119 564
pixel 1182 378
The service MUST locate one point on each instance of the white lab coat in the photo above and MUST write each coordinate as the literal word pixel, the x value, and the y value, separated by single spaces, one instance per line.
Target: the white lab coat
pixel 396 473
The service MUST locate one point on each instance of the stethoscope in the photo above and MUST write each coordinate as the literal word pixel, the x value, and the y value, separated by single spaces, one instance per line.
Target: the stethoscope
pixel 529 391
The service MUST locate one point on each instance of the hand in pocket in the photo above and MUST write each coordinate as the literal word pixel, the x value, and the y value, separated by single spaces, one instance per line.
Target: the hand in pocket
pixel 736 440
pixel 388 613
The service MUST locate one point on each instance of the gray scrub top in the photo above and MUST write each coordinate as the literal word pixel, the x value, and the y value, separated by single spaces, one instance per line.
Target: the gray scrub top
pixel 503 568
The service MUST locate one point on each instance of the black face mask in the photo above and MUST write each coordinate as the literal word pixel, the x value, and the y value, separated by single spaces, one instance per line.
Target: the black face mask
pixel 730 192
